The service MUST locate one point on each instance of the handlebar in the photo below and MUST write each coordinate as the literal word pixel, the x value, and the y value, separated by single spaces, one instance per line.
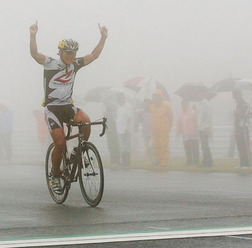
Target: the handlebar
pixel 85 124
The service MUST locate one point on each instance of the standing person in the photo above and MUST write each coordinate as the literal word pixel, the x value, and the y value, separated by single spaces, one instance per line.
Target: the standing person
pixel 145 120
pixel 59 77
pixel 162 118
pixel 42 130
pixel 241 129
pixel 112 139
pixel 205 129
pixel 188 127
pixel 6 129
pixel 124 125
pixel 232 139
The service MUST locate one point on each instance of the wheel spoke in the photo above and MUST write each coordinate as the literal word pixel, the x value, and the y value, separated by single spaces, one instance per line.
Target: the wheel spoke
pixel 91 178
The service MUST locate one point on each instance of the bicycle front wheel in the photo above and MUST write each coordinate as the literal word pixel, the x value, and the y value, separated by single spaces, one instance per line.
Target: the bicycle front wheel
pixel 91 176
pixel 58 198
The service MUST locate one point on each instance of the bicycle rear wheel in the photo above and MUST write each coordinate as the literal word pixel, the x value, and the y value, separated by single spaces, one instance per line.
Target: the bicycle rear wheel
pixel 58 198
pixel 91 176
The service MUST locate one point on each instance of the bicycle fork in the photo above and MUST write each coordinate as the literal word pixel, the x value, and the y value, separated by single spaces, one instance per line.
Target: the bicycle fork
pixel 88 162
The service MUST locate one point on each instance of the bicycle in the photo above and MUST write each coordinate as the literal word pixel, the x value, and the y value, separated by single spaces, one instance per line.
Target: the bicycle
pixel 86 166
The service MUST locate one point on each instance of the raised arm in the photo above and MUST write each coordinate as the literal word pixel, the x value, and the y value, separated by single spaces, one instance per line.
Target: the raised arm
pixel 40 58
pixel 98 49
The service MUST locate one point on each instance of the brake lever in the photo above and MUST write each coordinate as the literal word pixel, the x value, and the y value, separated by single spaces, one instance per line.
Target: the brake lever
pixel 104 126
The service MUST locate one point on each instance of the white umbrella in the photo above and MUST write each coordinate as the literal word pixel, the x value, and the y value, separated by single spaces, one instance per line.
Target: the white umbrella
pixel 145 87
pixel 130 95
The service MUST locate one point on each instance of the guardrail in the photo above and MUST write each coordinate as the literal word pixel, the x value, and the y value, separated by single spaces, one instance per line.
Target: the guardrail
pixel 26 146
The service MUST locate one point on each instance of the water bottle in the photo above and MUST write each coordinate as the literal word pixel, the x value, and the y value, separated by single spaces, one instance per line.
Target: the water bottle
pixel 73 155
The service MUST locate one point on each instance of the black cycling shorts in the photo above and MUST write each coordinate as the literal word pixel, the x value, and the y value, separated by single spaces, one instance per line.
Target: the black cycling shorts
pixel 55 116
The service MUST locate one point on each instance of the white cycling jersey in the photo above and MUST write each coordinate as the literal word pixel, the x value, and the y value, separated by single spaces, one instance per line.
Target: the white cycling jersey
pixel 59 80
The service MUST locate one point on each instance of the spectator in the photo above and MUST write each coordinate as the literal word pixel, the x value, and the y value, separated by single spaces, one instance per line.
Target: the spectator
pixel 6 129
pixel 205 129
pixel 232 140
pixel 124 125
pixel 188 128
pixel 112 139
pixel 241 129
pixel 162 118
pixel 145 120
pixel 42 130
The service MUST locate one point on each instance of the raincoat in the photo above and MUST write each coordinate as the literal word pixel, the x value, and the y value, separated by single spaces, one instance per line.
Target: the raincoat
pixel 162 118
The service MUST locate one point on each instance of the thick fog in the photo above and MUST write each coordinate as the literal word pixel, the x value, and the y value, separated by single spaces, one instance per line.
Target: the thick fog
pixel 172 41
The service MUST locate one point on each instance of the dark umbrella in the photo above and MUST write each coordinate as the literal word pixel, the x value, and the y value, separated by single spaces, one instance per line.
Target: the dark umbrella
pixel 193 92
pixel 224 85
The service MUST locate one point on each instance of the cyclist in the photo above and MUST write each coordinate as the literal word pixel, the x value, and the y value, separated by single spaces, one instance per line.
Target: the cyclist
pixel 59 77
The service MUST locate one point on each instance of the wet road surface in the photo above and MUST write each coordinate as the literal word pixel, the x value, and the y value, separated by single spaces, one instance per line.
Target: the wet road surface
pixel 134 201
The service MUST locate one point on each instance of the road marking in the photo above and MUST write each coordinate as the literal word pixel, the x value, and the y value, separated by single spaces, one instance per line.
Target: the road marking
pixel 159 228
pixel 239 237
pixel 107 238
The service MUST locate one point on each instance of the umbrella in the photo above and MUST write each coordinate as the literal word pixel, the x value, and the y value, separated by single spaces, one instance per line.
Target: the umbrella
pixel 145 87
pixel 108 96
pixel 230 84
pixel 95 94
pixel 243 84
pixel 133 83
pixel 192 92
pixel 224 85
pixel 111 96
pixel 138 83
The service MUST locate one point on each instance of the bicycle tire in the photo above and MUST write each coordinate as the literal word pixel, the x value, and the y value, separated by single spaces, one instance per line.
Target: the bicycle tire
pixel 91 177
pixel 58 198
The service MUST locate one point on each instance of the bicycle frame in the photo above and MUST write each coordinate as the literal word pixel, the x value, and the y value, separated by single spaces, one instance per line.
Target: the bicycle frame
pixel 71 174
